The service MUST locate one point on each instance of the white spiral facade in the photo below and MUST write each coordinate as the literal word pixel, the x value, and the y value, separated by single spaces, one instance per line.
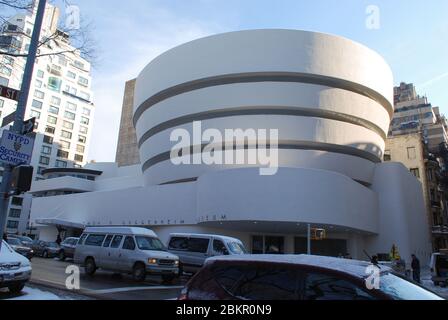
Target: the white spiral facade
pixel 329 97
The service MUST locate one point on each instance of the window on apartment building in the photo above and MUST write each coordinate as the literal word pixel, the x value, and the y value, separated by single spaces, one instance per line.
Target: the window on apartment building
pixel 63 154
pixel 83 81
pixel 52 120
pixel 82 139
pixel 48 139
pixel 54 84
pixel 35 114
pixel 8 61
pixel 39 94
pixel 432 195
pixel 78 64
pixel 40 170
pixel 61 164
pixel 40 74
pixel 4 81
pixel 36 104
pixel 66 134
pixel 56 101
pixel 68 125
pixel 79 158
pixel 80 148
pixel 44 160
pixel 53 110
pixel 411 153
pixel 71 75
pixel 85 121
pixel 62 60
pixel 416 172
pixel 38 84
pixel 5 71
pixel 86 111
pixel 69 115
pixel 85 96
pixel 387 155
pixel 11 224
pixel 64 144
pixel 17 201
pixel 14 213
pixel 71 106
pixel 46 150
pixel 429 175
pixel 83 130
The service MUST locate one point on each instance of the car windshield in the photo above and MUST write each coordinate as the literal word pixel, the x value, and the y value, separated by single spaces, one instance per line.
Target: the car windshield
pixel 52 244
pixel 236 248
pixel 14 242
pixel 148 243
pixel 400 289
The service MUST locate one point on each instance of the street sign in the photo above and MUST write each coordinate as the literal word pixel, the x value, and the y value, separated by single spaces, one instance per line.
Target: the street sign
pixel 16 149
pixel 9 93
pixel 28 126
pixel 8 119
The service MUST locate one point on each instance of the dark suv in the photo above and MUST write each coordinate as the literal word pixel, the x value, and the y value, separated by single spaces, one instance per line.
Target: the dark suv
pixel 68 247
pixel 298 277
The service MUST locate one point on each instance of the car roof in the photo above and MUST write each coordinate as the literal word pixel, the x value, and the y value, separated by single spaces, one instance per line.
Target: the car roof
pixel 352 267
pixel 121 230
pixel 203 235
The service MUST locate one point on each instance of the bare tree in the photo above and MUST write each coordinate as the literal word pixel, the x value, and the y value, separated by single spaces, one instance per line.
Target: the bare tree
pixel 63 40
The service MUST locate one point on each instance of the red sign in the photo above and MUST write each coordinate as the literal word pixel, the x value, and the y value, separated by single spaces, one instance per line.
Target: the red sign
pixel 9 93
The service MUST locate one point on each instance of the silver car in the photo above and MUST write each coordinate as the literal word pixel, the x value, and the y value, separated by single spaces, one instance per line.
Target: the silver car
pixel 136 251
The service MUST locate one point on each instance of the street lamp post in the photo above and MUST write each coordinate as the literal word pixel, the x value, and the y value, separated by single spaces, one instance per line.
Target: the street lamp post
pixel 5 187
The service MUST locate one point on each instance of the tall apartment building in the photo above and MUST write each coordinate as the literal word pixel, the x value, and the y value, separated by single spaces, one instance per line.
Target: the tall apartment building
pixel 127 148
pixel 416 138
pixel 60 100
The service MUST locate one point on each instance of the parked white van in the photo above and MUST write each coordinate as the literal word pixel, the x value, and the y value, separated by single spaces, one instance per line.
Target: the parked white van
pixel 439 269
pixel 15 269
pixel 136 251
pixel 194 249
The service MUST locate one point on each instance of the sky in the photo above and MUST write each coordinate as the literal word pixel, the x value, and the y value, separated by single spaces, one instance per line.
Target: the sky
pixel 411 35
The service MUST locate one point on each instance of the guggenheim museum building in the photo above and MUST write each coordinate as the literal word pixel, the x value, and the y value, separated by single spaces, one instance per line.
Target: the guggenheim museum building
pixel 330 101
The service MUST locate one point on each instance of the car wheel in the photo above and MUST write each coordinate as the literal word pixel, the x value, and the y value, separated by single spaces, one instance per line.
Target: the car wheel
pixel 45 254
pixel 168 278
pixel 17 288
pixel 90 266
pixel 62 255
pixel 139 272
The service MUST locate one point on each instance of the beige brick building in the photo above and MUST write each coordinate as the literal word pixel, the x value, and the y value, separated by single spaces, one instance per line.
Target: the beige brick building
pixel 127 149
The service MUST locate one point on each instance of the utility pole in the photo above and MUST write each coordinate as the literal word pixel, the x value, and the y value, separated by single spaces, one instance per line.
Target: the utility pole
pixel 20 112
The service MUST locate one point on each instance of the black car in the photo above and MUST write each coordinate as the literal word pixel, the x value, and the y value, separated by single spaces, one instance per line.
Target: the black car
pixel 68 247
pixel 45 249
pixel 299 277
pixel 20 248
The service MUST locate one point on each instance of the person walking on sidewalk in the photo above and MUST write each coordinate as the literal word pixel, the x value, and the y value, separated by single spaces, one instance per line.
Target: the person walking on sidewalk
pixel 415 265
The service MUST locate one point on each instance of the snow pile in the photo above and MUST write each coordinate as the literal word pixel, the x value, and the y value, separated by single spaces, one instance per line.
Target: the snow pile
pixel 36 294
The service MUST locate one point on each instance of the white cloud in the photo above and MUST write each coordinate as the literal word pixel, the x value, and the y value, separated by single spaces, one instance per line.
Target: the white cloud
pixel 135 45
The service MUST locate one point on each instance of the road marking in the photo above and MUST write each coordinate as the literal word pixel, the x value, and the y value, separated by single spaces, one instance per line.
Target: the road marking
pixel 118 290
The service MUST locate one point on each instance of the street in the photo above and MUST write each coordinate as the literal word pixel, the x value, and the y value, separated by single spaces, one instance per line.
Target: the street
pixel 103 285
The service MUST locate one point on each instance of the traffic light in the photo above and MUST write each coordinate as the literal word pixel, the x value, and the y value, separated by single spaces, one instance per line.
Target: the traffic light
pixel 21 179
